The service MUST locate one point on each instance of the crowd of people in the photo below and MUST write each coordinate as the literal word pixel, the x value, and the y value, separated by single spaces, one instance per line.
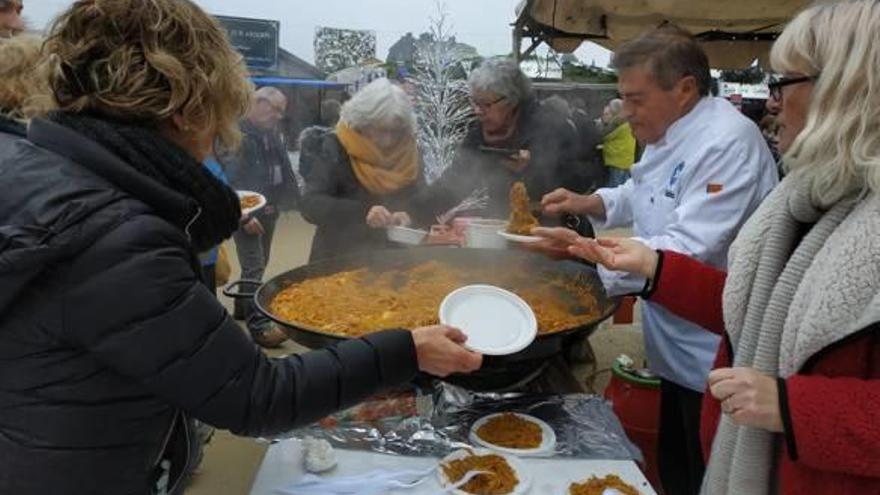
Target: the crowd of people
pixel 125 132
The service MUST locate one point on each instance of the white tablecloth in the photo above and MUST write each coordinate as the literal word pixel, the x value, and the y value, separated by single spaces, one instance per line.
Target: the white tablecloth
pixel 283 465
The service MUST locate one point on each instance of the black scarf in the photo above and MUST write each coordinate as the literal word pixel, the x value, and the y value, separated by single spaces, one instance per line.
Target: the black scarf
pixel 11 126
pixel 214 212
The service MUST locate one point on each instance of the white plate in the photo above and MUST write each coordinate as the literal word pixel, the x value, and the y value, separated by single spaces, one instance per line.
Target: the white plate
pixel 248 211
pixel 522 474
pixel 406 235
pixel 548 443
pixel 497 322
pixel 524 239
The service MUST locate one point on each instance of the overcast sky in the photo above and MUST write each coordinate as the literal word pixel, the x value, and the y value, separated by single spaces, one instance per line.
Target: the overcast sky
pixel 485 24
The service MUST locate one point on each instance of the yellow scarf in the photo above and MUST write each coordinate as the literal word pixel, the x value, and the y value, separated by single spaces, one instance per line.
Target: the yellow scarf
pixel 381 173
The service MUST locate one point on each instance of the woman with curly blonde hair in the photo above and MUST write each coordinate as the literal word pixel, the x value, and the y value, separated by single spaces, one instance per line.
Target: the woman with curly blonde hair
pixel 108 340
pixel 23 90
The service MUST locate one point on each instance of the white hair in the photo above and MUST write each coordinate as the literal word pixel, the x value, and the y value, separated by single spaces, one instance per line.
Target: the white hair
pixel 503 78
pixel 838 149
pixel 615 106
pixel 379 103
pixel 269 93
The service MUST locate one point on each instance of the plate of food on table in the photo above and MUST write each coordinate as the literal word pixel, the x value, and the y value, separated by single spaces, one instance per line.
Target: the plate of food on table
pixel 250 201
pixel 522 221
pixel 491 473
pixel 606 485
pixel 514 433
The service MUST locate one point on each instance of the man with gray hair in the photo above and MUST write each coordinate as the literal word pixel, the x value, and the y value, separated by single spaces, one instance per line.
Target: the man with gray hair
pixel 704 170
pixel 262 165
pixel 11 22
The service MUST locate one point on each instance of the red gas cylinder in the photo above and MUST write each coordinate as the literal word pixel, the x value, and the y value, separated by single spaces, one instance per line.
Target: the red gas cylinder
pixel 635 398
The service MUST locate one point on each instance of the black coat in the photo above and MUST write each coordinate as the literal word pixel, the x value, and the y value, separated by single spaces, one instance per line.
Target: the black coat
pixel 337 204
pixel 106 333
pixel 550 139
pixel 12 129
pixel 253 166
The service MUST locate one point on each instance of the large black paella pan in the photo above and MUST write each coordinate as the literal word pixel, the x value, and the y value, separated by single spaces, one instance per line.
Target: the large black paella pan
pixel 498 371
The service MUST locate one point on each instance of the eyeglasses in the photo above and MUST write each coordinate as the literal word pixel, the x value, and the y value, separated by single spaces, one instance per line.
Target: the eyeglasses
pixel 484 106
pixel 775 85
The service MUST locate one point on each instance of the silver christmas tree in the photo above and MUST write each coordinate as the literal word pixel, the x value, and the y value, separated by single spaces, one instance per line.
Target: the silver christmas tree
pixel 441 98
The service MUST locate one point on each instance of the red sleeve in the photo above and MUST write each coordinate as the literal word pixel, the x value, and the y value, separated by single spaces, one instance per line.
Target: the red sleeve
pixel 710 413
pixel 690 289
pixel 833 423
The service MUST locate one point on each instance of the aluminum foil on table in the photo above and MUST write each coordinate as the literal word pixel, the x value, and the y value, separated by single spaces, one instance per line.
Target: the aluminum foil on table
pixel 413 422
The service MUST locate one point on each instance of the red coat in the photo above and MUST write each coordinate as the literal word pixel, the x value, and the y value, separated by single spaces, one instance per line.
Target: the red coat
pixel 831 408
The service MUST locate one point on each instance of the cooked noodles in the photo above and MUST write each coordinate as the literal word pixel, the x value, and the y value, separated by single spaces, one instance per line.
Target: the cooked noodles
pixel 597 486
pixel 511 431
pixel 249 201
pixel 500 478
pixel 521 219
pixel 358 302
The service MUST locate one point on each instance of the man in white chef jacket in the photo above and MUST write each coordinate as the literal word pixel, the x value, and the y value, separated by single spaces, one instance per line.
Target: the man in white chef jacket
pixel 704 170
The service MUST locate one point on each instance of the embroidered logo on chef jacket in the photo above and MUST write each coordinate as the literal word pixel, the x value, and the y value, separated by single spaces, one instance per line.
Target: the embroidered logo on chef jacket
pixel 714 188
pixel 673 179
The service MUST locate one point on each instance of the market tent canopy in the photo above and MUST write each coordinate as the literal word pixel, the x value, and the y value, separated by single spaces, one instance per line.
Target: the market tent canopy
pixel 733 33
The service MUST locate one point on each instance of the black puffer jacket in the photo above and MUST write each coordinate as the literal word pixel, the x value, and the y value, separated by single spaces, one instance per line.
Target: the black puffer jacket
pixel 11 129
pixel 337 204
pixel 106 332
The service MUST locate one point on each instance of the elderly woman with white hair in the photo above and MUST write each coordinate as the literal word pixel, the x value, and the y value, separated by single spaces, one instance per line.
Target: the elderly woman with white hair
pixel 792 401
pixel 618 143
pixel 514 138
pixel 365 173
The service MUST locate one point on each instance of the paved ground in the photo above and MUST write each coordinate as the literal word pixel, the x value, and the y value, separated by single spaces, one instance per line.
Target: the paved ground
pixel 231 462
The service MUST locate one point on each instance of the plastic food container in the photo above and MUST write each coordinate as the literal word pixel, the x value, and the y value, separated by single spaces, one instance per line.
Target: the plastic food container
pixel 483 234
pixel 406 235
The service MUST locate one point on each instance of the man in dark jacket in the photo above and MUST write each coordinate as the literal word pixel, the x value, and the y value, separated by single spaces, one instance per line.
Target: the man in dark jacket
pixel 588 151
pixel 106 333
pixel 261 165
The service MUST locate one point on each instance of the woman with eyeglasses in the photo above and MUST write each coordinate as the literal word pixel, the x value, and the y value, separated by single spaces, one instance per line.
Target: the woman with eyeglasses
pixel 792 401
pixel 514 138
